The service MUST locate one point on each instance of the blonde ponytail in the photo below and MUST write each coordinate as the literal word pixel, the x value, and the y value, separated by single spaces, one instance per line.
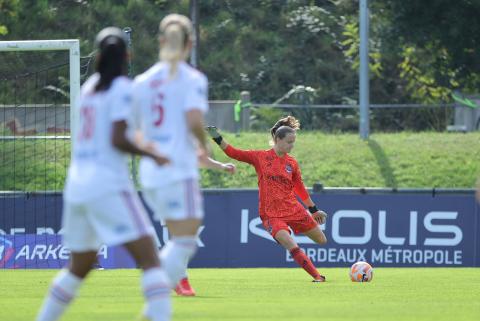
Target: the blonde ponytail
pixel 175 33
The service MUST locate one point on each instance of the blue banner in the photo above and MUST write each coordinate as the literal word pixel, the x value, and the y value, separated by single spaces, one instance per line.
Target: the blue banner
pixel 386 230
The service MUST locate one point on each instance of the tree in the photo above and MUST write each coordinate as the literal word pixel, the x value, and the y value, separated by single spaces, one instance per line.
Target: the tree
pixel 441 39
pixel 8 11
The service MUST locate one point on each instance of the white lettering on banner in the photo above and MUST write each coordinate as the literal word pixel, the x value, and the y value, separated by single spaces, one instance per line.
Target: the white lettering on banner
pixel 24 251
pixel 244 226
pixel 64 253
pixel 103 252
pixel 367 231
pixel 407 256
pixel 38 251
pixel 384 256
pixel 259 231
pixel 332 255
pixel 382 233
pixel 255 227
pixel 40 231
pixel 45 230
pixel 199 240
pixel 50 252
pixel 17 230
pixel 413 228
pixel 427 221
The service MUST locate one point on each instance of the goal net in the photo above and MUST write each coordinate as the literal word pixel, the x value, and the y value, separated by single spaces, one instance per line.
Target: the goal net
pixel 39 81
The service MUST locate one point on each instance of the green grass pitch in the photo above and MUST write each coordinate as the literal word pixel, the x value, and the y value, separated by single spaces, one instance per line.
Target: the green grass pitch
pixel 262 294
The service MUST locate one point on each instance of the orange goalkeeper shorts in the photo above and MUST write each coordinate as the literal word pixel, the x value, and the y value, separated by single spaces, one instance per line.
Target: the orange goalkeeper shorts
pixel 297 224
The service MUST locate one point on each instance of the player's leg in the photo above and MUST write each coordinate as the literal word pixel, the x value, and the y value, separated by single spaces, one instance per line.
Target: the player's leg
pixel 286 240
pixel 81 263
pixel 308 226
pixel 155 283
pixel 121 219
pixel 279 229
pixel 316 234
pixel 179 250
pixel 80 238
pixel 180 206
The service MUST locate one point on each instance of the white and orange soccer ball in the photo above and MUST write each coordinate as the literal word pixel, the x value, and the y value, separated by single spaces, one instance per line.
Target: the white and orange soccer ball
pixel 361 272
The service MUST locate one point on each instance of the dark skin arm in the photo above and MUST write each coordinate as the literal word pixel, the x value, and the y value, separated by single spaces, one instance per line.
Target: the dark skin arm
pixel 120 141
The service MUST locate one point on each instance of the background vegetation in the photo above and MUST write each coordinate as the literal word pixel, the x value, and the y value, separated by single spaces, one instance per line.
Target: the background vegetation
pixel 406 160
pixel 420 50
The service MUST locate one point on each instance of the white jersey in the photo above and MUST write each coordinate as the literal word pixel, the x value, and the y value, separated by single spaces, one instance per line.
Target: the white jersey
pixel 97 167
pixel 161 106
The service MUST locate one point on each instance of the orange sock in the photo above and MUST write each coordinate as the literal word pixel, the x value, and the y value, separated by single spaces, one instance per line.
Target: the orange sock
pixel 303 260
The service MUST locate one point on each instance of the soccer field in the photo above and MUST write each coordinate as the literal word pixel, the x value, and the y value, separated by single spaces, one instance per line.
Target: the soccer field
pixel 262 294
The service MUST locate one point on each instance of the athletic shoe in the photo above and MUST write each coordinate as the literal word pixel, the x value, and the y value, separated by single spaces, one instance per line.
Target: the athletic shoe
pixel 97 266
pixel 321 278
pixel 183 288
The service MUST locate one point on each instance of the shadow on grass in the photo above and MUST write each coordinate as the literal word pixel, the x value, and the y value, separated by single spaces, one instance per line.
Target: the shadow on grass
pixel 383 163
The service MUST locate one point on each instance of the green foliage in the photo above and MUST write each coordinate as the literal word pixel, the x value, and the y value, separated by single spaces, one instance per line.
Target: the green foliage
pixel 445 36
pixel 420 80
pixel 33 165
pixel 419 50
pixel 352 49
pixel 262 118
pixel 269 47
pixel 8 12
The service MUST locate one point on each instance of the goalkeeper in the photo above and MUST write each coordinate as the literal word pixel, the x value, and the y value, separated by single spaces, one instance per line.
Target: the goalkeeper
pixel 279 181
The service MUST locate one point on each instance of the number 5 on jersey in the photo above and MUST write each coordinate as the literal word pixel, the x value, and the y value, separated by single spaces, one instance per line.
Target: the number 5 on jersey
pixel 158 110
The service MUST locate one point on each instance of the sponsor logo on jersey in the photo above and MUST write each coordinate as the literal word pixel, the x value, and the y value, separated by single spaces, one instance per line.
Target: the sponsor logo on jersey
pixel 288 168
pixel 280 179
pixel 121 229
pixel 173 205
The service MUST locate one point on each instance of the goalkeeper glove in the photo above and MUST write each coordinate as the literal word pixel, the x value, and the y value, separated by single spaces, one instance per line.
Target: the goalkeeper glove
pixel 213 132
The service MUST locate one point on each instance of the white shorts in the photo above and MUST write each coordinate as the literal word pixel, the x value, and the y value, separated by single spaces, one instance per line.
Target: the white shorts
pixel 177 201
pixel 113 219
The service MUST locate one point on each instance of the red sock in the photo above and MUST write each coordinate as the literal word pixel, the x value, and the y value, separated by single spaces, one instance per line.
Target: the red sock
pixel 303 260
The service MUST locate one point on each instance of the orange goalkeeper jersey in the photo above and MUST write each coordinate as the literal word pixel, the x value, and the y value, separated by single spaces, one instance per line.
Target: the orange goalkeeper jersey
pixel 279 180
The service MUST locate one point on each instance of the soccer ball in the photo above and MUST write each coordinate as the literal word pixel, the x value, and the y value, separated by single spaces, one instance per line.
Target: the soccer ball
pixel 361 272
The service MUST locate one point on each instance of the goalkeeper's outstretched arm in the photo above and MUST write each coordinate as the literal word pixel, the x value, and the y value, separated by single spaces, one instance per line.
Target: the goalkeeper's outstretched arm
pixel 246 156
pixel 217 138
